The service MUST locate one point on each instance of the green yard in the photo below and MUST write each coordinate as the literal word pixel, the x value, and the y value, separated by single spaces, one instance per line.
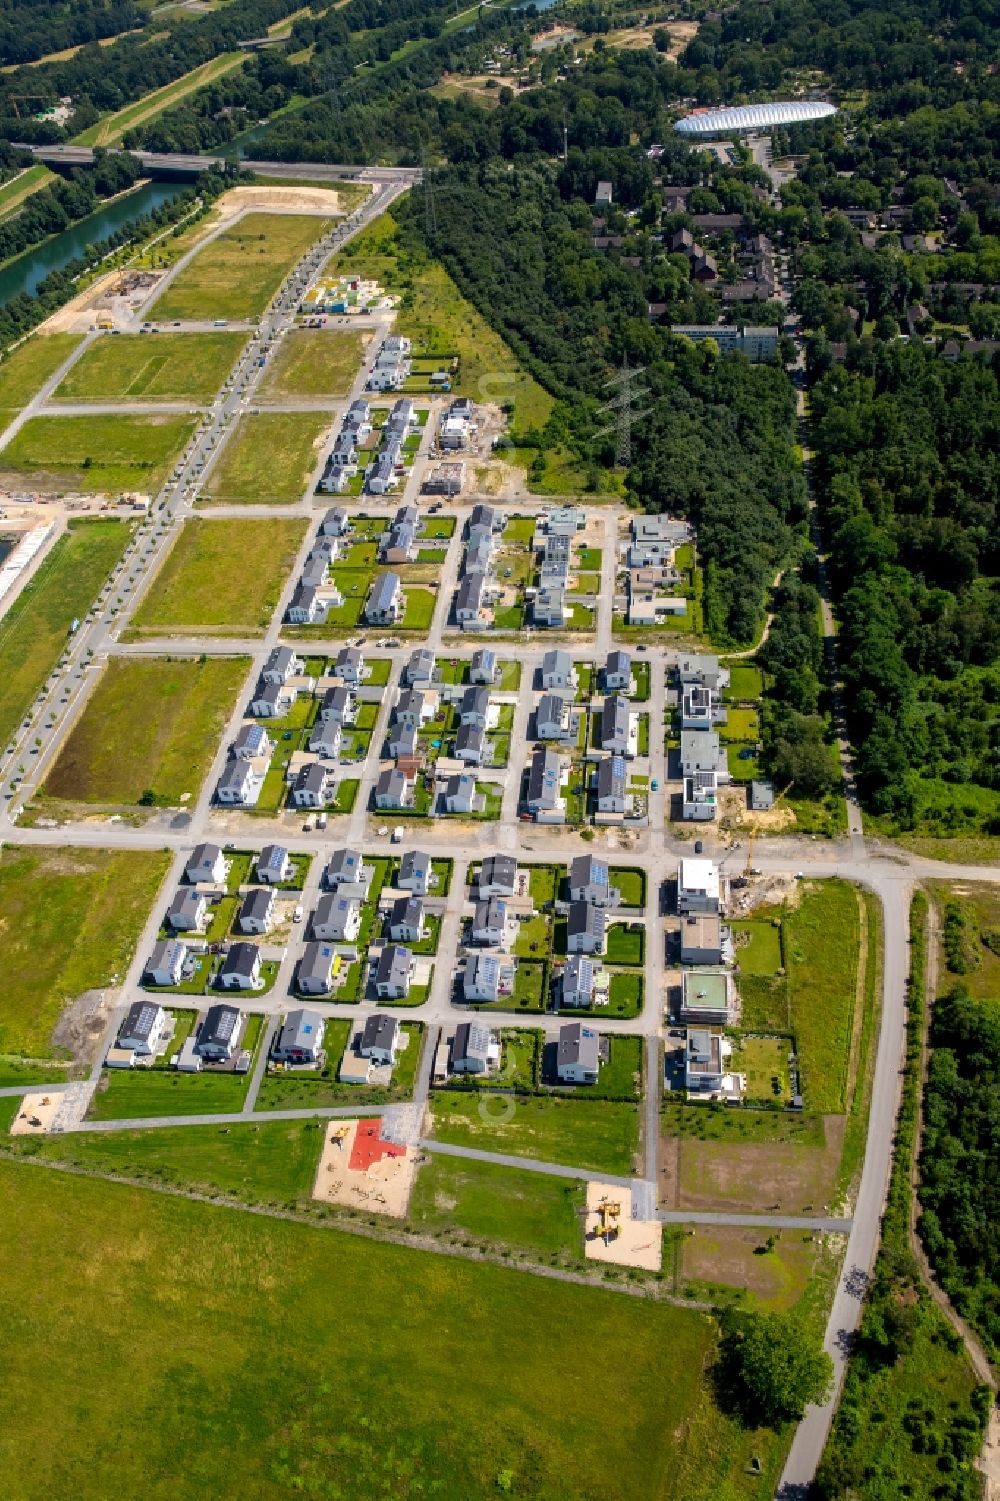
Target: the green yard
pixel 149 725
pixel 758 946
pixel 499 1205
pixel 238 272
pixel 268 459
pixel 137 1094
pixel 104 453
pixel 631 883
pixel 152 367
pixel 295 1090
pixel 626 943
pixel 69 922
pixel 305 1343
pixel 24 372
pixel 34 631
pixel 223 577
pixel 313 362
pixel 599 1135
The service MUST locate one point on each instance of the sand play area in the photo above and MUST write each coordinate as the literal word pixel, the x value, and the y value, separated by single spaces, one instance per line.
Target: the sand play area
pixel 363 1170
pixel 623 1240
pixel 36 1115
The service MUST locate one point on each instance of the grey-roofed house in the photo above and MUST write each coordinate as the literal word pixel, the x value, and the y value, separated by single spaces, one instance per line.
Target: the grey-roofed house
pixel 338 705
pixel 419 670
pixel 407 920
pixel 252 740
pixel 240 968
pixel 381 1038
pixel 460 795
pixel 610 782
pixel 300 1039
pixel 307 606
pixel 484 667
pixel 219 1033
pixel 394 972
pixel 497 876
pixel 558 671
pixel 240 784
pixel 207 865
pixel 337 917
pixel 618 672
pixel 474 1049
pixel 489 923
pixel 760 797
pixel 165 965
pixel 590 881
pixel 554 718
pixel 187 911
pixel 475 707
pixel 545 783
pixel 488 977
pixel 257 910
pixel 586 929
pixel 393 790
pixel 415 873
pixel 549 607
pixel 704 940
pixel 344 865
pixel 144 1028
pixel 282 664
pixel 470 744
pixel 326 739
pixel 585 982
pixel 335 523
pixel 414 707
pixel 403 740
pixel 350 666
pixel 470 603
pixel 314 786
pixel 273 865
pixel 385 603
pixel 315 976
pixel 271 700
pixel 579 1054
pixel 616 726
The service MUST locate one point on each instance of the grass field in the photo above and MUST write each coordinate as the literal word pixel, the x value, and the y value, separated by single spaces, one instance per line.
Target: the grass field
pixel 222 577
pixel 109 130
pixel 254 1342
pixel 269 458
pixel 435 315
pixel 821 938
pixel 20 187
pixel 34 630
pixel 274 1162
pixel 153 367
pixel 505 1206
pixel 601 1135
pixel 760 953
pixel 313 362
pixel 149 724
pixel 69 920
pixel 238 272
pixel 134 1094
pixel 108 452
pixel 25 371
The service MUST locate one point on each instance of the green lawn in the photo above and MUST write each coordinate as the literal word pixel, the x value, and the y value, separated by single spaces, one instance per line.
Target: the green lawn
pixel 107 452
pixel 273 1386
pixel 271 1162
pixel 626 943
pixel 761 954
pixel 419 610
pixel 69 922
pixel 268 458
pixel 299 1091
pixel 631 883
pixel 745 683
pixel 821 938
pixel 24 373
pixel 599 1135
pixel 153 367
pixel 223 577
pixel 626 995
pixel 33 632
pixel 132 1094
pixel 498 1205
pixel 149 724
pixel 237 273
pixel 313 362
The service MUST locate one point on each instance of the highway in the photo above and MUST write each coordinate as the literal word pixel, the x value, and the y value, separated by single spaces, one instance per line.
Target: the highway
pixel 178 162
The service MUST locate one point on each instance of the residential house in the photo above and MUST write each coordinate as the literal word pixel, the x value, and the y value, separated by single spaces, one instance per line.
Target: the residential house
pixel 381 1038
pixel 419 670
pixel 488 977
pixel 590 881
pixel 618 733
pixel 350 666
pixel 385 603
pixel 188 911
pixel 317 967
pixel 497 876
pixel 240 968
pixel 558 672
pixel 282 664
pixel 484 667
pixel 300 1040
pixel 338 706
pixel 475 707
pixel 555 719
pixel 586 929
pixel 257 910
pixel 585 983
pixel 219 1033
pixel 618 672
pixel 760 797
pixel 415 708
pixel 407 921
pixel 549 607
pixel 252 742
pixel 474 1049
pixel 414 873
pixel 326 739
pixel 489 923
pixel 579 1054
pixel 394 789
pixel 610 782
pixel 701 669
pixel 707 996
pixel 314 786
pixel 704 1061
pixel 394 972
pixel 702 939
pixel 470 745
pixel 546 776
pixel 207 866
pixel 402 741
pixel 486 521
pixel 240 784
pixel 145 1028
pixel 273 865
pixel 471 603
pixel 700 708
pixel 460 795
pixel 700 797
pixel 165 965
pixel 272 700
pixel 344 866
pixel 335 523
pixel 698 888
pixel 337 918
pixel 701 751
pixel 307 606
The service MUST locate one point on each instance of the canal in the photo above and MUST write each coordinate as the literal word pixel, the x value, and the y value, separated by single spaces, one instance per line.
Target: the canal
pixel 25 272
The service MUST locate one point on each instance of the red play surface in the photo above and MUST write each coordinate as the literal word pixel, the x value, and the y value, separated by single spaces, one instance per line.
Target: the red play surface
pixel 369 1147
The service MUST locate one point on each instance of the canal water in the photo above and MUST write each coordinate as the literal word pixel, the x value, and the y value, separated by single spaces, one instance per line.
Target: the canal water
pixel 26 272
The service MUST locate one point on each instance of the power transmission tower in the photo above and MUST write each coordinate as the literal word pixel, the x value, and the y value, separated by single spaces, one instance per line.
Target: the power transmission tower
pixel 625 410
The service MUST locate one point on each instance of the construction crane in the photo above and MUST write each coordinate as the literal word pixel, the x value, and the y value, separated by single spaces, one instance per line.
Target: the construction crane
pixel 608 1215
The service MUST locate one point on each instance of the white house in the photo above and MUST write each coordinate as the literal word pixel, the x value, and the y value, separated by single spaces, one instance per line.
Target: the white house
pixel 488 977
pixel 394 972
pixel 579 1054
pixel 586 929
pixel 240 968
pixel 554 718
pixel 558 672
pixel 460 795
pixel 257 910
pixel 273 865
pixel 474 1049
pixel 490 923
pixel 381 1038
pixel 165 965
pixel 590 881
pixel 240 783
pixel 207 866
pixel 145 1028
pixel 698 888
pixel 337 918
pixel 407 920
pixel 314 786
pixel 585 982
pixel 414 873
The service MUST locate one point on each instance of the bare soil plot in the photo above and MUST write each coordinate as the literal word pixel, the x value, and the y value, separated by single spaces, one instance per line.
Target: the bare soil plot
pixel 721 1257
pixel 782 1176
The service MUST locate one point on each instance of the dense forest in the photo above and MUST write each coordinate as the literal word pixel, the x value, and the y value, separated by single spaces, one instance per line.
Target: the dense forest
pixel 30 29
pixel 69 198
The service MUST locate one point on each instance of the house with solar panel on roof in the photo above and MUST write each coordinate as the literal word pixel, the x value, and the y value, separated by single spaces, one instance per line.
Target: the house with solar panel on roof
pixel 300 1039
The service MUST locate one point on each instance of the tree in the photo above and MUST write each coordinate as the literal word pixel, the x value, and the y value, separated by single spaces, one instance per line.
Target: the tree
pixel 771 1367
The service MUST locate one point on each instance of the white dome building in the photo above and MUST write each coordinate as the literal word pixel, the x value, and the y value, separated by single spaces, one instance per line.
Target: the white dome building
pixel 749 117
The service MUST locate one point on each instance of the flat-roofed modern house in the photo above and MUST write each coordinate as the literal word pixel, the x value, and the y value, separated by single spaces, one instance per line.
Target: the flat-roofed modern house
pixel 698 888
pixel 706 996
pixel 702 939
